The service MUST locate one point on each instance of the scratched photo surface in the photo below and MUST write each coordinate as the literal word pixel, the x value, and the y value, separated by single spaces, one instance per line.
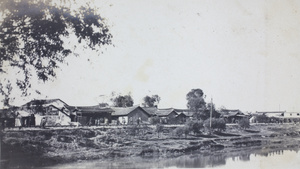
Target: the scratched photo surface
pixel 150 84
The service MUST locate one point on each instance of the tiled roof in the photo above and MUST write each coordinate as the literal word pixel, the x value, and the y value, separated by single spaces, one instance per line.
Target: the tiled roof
pixel 165 112
pixel 188 114
pixel 182 114
pixel 61 110
pixel 123 111
pixel 150 110
pixel 273 112
pixel 90 109
pixel 228 113
pixel 44 101
pixel 182 110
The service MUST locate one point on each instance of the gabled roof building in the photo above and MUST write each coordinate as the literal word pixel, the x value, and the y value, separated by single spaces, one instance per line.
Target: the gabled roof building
pixel 232 116
pixel 90 115
pixel 130 115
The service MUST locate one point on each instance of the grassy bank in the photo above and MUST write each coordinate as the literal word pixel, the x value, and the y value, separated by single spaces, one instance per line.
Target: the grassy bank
pixel 60 145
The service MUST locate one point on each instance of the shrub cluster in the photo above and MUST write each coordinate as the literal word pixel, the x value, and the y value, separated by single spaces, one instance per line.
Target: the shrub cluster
pixel 194 125
pixel 244 123
pixel 218 124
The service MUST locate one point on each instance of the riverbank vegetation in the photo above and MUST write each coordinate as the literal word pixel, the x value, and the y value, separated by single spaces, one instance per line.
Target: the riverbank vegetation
pixel 62 145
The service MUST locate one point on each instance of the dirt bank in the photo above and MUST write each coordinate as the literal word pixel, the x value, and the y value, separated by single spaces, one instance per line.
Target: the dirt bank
pixel 49 146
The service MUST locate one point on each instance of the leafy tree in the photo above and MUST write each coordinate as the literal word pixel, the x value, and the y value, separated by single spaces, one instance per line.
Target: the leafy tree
pixel 151 101
pixel 195 102
pixel 262 118
pixel 221 108
pixel 244 123
pixel 179 131
pixel 210 105
pixel 33 34
pixel 201 109
pixel 5 90
pixel 218 124
pixel 123 101
pixel 103 104
pixel 194 125
pixel 37 106
pixel 205 114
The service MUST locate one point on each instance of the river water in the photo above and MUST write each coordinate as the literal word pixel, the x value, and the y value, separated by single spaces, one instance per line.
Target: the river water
pixel 250 159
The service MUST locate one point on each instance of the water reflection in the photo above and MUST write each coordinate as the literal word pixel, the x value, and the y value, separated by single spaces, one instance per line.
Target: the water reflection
pixel 192 161
pixel 244 159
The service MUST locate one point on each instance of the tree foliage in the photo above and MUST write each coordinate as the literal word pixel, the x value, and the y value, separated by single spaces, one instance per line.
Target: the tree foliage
pixel 194 125
pixel 205 114
pixel 123 101
pixel 262 118
pixel 179 131
pixel 244 123
pixel 218 124
pixel 195 100
pixel 210 106
pixel 221 108
pixel 204 110
pixel 37 106
pixel 151 101
pixel 5 90
pixel 32 34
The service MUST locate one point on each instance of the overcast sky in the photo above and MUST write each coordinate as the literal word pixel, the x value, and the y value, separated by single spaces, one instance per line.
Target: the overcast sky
pixel 244 54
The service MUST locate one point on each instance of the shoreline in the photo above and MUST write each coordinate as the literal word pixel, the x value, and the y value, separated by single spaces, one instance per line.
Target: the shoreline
pixel 55 146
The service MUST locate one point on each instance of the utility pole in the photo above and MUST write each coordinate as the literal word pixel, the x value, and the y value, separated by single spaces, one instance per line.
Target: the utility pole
pixel 211 107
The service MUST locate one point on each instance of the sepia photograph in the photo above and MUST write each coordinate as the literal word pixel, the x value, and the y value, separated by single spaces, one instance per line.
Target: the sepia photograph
pixel 149 84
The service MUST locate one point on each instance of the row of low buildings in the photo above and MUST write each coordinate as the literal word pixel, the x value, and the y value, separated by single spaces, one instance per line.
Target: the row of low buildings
pixel 233 116
pixel 277 116
pixel 59 113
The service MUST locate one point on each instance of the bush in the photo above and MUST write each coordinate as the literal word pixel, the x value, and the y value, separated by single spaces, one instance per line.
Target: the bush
pixel 179 131
pixel 244 123
pixel 218 124
pixel 194 125
pixel 262 118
